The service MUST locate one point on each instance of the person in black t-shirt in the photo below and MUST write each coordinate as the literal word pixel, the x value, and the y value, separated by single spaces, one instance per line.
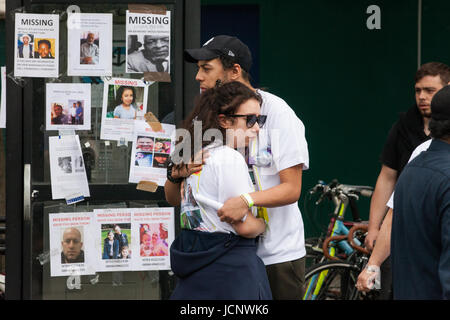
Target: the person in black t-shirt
pixel 405 135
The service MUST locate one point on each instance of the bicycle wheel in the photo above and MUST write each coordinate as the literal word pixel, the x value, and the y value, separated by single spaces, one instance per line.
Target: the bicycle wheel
pixel 334 280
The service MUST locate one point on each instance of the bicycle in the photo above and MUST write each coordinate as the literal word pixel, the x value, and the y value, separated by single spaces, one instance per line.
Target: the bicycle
pixel 336 279
pixel 342 196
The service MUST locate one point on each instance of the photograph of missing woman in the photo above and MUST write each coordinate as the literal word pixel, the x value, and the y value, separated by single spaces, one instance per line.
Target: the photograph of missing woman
pixel 116 241
pixel 153 239
pixel 125 102
pixel 162 145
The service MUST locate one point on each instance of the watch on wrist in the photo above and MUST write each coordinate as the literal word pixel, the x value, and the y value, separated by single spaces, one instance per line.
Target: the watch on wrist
pixel 170 166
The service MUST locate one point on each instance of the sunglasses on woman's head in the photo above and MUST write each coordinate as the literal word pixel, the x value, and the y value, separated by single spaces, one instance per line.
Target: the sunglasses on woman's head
pixel 251 119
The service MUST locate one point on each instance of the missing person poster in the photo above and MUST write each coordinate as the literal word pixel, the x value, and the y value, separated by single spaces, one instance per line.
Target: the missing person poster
pixel 71 244
pixel 153 229
pixel 148 42
pixel 36 45
pixel 68 106
pixel 124 101
pixel 150 153
pixel 114 240
pixel 67 170
pixel 3 98
pixel 90 44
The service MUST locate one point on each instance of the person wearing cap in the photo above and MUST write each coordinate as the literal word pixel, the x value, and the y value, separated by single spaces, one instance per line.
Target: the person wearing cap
pixel 153 58
pixel 225 59
pixel 25 48
pixel 406 134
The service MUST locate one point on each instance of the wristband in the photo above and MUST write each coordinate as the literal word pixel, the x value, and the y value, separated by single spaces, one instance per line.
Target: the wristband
pixel 247 199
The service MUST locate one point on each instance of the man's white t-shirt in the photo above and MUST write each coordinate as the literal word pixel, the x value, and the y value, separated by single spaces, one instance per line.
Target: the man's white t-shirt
pixel 418 150
pixel 224 175
pixel 284 135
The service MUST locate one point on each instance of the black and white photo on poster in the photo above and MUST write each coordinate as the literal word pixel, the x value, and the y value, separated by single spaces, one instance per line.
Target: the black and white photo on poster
pixel 67 171
pixel 148 42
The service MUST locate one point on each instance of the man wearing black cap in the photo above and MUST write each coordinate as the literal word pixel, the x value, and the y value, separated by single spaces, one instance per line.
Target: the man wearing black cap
pixel 224 59
pixel 420 242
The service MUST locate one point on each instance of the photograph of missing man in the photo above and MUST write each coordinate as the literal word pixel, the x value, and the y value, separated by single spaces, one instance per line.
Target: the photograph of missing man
pixel 148 53
pixel 72 245
pixel 44 48
pixel 25 46
pixel 89 47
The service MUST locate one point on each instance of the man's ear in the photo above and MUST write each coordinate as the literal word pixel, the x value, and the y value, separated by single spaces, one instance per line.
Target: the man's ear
pixel 236 72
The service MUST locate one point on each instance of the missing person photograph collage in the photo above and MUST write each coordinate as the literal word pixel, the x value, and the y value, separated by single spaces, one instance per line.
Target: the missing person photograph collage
pixel 152 152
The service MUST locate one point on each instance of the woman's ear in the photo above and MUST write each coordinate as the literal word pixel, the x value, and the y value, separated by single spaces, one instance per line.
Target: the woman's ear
pixel 224 122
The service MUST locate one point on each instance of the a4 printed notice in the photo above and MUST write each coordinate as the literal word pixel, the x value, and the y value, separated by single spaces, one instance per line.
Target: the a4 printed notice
pixel 36 45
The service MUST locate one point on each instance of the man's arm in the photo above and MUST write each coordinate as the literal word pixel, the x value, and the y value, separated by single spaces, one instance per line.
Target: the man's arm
pixel 383 190
pixel 287 192
pixel 380 252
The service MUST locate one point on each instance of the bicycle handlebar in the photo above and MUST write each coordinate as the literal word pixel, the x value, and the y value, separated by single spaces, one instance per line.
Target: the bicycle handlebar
pixel 351 237
pixel 326 245
pixel 335 188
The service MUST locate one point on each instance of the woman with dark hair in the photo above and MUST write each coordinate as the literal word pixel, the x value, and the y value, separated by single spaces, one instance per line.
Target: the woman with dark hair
pixel 125 101
pixel 215 259
pixel 110 246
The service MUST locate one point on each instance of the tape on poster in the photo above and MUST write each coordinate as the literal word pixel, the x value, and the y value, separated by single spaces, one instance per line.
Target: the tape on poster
pixel 148 186
pixel 153 122
pixel 147 8
pixel 157 76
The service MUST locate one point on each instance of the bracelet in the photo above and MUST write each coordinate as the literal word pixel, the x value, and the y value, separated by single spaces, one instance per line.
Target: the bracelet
pixel 247 199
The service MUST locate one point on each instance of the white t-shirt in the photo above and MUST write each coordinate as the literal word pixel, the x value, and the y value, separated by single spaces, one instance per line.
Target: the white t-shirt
pixel 224 175
pixel 418 150
pixel 284 134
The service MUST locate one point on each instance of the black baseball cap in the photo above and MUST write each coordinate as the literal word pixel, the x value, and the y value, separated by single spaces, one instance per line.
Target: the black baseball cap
pixel 222 45
pixel 440 104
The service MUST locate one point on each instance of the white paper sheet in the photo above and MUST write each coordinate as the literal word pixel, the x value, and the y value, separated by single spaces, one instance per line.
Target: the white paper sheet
pixel 150 152
pixel 148 42
pixel 117 120
pixel 154 231
pixel 68 106
pixel 36 45
pixel 71 244
pixel 67 170
pixel 110 252
pixel 89 44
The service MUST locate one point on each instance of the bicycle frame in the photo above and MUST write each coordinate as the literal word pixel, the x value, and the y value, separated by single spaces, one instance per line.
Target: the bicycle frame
pixel 335 228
